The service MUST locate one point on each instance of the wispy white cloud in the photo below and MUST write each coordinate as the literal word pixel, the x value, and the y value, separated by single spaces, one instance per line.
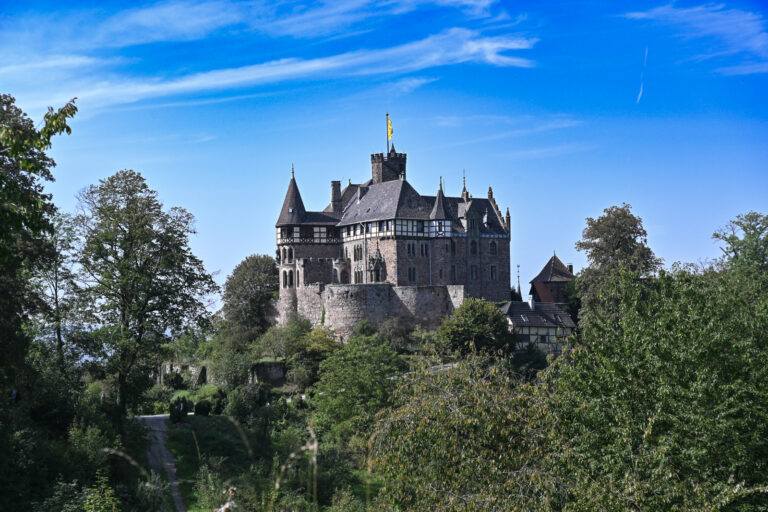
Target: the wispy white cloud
pixel 408 85
pixel 550 151
pixel 731 32
pixel 642 77
pixel 453 46
pixel 188 20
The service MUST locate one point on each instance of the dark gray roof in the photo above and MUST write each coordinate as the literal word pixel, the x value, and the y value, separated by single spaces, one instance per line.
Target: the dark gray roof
pixel 554 270
pixel 322 218
pixel 387 200
pixel 293 211
pixel 544 314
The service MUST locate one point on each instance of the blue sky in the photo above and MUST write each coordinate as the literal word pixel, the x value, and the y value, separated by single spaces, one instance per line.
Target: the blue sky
pixel 565 108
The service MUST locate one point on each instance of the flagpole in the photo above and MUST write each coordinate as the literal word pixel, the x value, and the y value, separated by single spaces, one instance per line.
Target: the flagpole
pixel 387 132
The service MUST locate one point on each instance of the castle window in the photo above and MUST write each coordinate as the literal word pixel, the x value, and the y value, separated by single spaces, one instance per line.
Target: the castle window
pixel 358 276
pixel 346 253
pixel 335 275
pixel 473 247
pixel 420 226
pixel 473 272
pixel 356 228
pixel 285 279
pixel 381 225
pixel 424 250
pixel 285 254
pixel 290 279
pixel 290 255
pixel 493 273
pixel 412 274
pixel 453 248
pixel 298 282
pixel 453 274
pixel 389 225
pixel 493 249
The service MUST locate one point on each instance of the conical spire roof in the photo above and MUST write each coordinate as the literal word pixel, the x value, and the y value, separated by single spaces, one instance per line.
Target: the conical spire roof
pixel 293 211
pixel 438 210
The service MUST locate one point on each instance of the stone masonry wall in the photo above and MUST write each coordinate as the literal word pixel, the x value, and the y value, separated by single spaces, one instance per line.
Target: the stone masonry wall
pixel 347 305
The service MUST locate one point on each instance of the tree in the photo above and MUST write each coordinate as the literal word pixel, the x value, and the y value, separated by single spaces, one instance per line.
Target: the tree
pixel 476 322
pixel 25 214
pixel 138 275
pixel 58 289
pixel 614 240
pixel 247 297
pixel 355 382
pixel 29 453
pixel 746 241
pixel 465 437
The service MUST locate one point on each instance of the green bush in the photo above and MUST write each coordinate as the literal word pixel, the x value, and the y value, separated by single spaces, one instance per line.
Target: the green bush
pixel 179 409
pixel 246 404
pixel 203 408
pixel 148 404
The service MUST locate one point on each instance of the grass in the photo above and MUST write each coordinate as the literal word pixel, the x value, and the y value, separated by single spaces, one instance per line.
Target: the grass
pixel 216 437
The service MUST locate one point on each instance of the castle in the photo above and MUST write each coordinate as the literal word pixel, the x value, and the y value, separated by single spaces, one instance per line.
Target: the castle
pixel 381 250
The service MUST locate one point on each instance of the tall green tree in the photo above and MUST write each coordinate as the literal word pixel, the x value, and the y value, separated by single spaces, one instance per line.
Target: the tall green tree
pixel 247 298
pixel 139 276
pixel 615 240
pixel 57 287
pixel 25 215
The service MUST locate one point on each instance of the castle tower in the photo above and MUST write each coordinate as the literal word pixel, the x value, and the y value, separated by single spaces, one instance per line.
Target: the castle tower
pixel 389 167
pixel 293 211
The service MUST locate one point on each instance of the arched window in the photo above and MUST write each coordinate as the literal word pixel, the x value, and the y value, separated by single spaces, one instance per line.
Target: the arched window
pixel 453 248
pixel 298 281
pixel 473 247
pixel 344 277
pixel 335 275
pixel 285 279
pixel 284 254
pixel 290 279
pixel 493 249
pixel 290 254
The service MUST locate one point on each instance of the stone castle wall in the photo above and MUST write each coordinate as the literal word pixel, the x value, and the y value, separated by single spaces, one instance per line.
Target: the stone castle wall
pixel 341 307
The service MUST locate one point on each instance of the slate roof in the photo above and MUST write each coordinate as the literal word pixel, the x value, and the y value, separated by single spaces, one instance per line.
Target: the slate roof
pixel 293 211
pixel 543 315
pixel 387 200
pixel 553 271
pixel 369 202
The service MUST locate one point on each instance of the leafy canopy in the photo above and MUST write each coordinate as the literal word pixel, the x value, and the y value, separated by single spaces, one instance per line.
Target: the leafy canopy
pixel 476 322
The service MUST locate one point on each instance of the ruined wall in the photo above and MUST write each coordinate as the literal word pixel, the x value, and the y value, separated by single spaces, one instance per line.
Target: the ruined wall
pixel 341 307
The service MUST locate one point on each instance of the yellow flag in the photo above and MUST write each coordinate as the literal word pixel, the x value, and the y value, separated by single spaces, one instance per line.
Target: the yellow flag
pixel 389 129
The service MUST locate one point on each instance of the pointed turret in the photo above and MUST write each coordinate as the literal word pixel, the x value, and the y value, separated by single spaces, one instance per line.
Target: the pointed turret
pixel 508 221
pixel 464 193
pixel 293 211
pixel 438 210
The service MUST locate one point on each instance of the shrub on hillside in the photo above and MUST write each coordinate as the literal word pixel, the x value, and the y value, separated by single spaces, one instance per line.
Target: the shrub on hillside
pixel 246 404
pixel 175 381
pixel 203 408
pixel 179 409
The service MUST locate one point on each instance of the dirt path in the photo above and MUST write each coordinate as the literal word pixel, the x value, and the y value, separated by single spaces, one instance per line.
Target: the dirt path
pixel 160 458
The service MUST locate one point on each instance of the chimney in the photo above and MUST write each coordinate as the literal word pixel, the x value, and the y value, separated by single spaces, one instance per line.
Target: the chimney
pixel 570 268
pixel 531 303
pixel 336 196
